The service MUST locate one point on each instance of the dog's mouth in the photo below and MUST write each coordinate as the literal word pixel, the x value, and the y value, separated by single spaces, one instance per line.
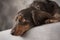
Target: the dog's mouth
pixel 20 29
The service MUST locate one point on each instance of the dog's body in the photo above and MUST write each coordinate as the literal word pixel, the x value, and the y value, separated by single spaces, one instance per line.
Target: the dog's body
pixel 35 17
pixel 37 14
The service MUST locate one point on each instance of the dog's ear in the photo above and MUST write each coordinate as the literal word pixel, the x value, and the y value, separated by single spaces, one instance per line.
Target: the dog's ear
pixel 35 16
pixel 39 17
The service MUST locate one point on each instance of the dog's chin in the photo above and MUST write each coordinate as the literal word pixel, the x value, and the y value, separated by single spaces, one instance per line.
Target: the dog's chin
pixel 20 30
pixel 17 34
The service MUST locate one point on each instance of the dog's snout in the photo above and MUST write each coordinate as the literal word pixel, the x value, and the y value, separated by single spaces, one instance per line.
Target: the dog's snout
pixel 12 32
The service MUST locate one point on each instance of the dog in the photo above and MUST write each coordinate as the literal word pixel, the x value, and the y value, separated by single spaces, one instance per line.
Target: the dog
pixel 37 14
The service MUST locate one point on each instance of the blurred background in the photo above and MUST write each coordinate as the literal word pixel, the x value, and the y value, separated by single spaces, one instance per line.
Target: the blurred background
pixel 9 9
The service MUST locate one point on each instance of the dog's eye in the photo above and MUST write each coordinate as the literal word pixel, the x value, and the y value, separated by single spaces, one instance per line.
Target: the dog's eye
pixel 19 18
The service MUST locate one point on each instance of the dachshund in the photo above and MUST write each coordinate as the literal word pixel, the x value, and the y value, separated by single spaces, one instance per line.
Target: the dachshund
pixel 37 14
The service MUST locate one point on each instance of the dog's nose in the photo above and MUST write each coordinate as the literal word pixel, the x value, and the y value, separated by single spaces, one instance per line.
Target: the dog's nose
pixel 12 32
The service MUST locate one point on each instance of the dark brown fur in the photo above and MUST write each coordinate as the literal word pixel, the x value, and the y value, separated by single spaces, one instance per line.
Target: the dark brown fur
pixel 37 14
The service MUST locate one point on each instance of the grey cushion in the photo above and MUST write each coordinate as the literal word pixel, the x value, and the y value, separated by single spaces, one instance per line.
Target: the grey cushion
pixel 45 32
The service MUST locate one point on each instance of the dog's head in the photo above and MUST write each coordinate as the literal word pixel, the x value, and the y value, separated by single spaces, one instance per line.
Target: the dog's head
pixel 21 26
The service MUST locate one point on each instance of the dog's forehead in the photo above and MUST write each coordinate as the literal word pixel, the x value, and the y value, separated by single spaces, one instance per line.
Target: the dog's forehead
pixel 26 15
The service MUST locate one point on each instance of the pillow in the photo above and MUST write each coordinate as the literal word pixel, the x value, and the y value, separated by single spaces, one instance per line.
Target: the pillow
pixel 44 32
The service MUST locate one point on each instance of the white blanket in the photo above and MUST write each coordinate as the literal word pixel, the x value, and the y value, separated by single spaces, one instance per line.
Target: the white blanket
pixel 45 32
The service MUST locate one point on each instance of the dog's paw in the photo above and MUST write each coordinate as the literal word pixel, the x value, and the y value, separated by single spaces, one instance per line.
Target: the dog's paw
pixel 52 20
